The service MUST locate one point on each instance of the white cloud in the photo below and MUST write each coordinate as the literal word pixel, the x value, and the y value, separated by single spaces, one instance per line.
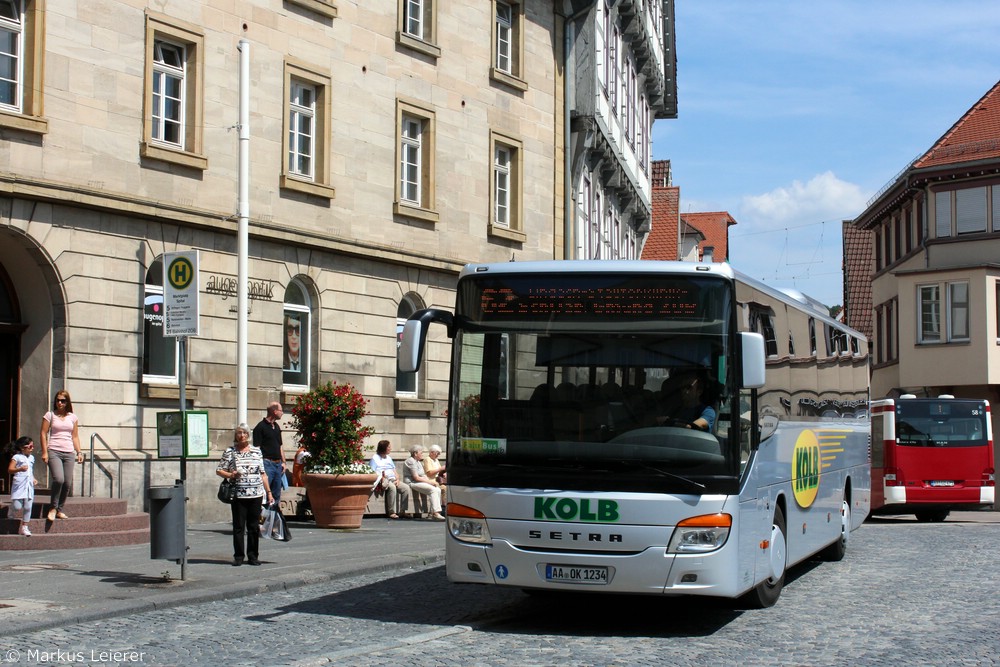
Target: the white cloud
pixel 791 236
pixel 823 197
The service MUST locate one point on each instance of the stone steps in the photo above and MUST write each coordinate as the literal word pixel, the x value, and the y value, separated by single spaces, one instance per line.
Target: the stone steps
pixel 93 522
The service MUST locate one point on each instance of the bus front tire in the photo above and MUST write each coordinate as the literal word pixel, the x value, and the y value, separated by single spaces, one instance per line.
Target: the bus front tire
pixel 767 592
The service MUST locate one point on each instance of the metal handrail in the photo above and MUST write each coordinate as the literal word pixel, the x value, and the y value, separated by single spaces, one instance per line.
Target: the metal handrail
pixel 97 436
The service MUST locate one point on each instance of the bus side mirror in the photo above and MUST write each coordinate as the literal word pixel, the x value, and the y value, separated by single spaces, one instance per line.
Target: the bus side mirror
pixel 411 348
pixel 752 353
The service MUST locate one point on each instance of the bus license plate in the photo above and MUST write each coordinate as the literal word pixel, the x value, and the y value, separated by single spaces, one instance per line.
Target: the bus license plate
pixel 942 482
pixel 576 574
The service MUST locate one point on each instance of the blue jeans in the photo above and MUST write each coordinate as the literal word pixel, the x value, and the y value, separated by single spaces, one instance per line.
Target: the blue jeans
pixel 274 474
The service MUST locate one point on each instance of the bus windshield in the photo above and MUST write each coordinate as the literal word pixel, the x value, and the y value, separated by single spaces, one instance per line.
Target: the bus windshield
pixel 620 382
pixel 951 423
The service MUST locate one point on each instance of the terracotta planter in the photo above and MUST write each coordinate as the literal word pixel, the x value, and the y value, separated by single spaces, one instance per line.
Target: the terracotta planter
pixel 338 501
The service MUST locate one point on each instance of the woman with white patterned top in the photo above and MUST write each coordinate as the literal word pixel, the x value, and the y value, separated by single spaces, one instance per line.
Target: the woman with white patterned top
pixel 244 464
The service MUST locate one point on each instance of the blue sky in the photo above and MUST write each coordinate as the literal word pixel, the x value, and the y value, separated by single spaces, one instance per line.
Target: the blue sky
pixel 792 115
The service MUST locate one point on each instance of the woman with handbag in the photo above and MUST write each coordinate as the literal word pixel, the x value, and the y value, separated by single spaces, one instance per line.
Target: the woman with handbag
pixel 244 464
pixel 60 440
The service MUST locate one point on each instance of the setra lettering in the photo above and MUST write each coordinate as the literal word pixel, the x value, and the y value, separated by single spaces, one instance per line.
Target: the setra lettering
pixel 560 536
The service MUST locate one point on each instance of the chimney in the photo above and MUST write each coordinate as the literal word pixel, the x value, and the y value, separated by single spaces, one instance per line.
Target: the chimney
pixel 707 254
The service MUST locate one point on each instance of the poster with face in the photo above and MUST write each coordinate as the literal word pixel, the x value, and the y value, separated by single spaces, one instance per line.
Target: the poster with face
pixel 295 362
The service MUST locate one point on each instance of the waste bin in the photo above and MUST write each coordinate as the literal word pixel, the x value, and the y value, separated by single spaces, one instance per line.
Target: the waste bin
pixel 167 522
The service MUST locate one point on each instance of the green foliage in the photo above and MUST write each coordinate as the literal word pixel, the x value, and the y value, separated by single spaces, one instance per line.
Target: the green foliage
pixel 328 420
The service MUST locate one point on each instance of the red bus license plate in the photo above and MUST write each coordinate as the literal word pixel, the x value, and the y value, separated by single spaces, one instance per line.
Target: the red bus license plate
pixel 942 482
pixel 576 574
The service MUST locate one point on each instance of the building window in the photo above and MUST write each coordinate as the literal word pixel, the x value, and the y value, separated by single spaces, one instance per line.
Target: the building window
pixel 173 120
pixel 920 215
pixel 887 241
pixel 306 167
pixel 417 17
pixel 897 236
pixel 296 332
pixel 995 195
pixel 996 307
pixel 168 93
pixel 929 313
pixel 504 38
pixel 407 384
pixel 11 54
pixel 908 222
pixel 501 185
pixel 878 249
pixel 301 129
pixel 606 46
pixel 594 231
pixel 890 329
pixel 159 352
pixel 958 311
pixel 508 43
pixel 417 26
pixel 762 322
pixel 415 163
pixel 411 165
pixel 970 210
pixel 505 195
pixel 614 69
pixel 21 57
pixel 879 336
pixel 942 214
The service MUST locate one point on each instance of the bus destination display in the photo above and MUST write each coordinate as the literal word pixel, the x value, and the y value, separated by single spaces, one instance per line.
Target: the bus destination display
pixel 657 302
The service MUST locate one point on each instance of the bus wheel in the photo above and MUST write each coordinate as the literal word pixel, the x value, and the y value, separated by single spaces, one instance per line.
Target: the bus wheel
pixel 836 551
pixel 767 592
pixel 932 515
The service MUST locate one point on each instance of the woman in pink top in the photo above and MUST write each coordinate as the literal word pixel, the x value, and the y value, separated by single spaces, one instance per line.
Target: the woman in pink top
pixel 60 438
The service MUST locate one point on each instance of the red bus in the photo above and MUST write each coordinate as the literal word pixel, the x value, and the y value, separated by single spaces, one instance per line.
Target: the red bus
pixel 931 456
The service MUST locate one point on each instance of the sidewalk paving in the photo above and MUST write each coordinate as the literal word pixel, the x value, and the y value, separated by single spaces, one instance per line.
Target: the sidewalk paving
pixel 44 589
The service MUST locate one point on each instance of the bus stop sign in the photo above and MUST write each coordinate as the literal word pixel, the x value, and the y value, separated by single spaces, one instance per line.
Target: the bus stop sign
pixel 180 293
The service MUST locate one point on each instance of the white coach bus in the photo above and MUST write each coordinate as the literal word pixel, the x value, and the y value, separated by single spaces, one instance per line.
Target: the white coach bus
pixel 646 427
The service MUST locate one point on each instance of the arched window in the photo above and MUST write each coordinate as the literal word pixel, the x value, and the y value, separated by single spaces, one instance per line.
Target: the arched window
pixel 159 352
pixel 295 335
pixel 407 384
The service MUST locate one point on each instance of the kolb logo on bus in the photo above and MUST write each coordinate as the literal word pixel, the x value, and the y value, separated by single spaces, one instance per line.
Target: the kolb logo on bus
pixel 805 468
pixel 580 509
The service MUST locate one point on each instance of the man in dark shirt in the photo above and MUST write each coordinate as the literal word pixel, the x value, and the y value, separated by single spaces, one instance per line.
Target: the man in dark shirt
pixel 267 436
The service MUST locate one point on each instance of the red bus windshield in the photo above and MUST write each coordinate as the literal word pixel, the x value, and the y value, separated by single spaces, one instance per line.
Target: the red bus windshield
pixel 941 423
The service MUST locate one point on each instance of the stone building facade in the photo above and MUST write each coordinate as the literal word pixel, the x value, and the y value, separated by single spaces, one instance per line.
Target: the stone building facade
pixel 935 280
pixel 391 142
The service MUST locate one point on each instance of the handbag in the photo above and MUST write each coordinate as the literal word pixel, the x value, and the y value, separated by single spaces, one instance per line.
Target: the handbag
pixel 227 491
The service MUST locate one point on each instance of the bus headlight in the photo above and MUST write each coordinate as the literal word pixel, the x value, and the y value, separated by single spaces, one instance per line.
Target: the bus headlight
pixel 467 524
pixel 700 534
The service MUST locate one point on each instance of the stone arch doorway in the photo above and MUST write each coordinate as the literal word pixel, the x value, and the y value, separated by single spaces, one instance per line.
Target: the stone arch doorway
pixel 11 329
pixel 32 337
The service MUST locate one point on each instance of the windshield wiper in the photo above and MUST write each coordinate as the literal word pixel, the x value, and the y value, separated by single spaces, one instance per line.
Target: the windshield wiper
pixel 680 478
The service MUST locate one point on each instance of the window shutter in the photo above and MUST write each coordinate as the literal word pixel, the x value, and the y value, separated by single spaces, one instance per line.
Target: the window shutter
pixel 942 214
pixel 970 210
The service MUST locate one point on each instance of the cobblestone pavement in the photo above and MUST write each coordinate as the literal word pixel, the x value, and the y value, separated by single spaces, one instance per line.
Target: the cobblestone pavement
pixel 906 593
